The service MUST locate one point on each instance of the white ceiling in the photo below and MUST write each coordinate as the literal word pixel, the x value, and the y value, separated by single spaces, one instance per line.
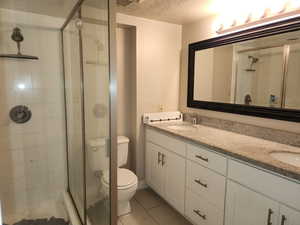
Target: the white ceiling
pixel 57 8
pixel 173 11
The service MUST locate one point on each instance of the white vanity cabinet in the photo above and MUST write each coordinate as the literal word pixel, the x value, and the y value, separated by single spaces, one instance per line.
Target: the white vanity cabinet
pixel 288 216
pixel 247 207
pixel 244 206
pixel 154 169
pixel 255 197
pixel 165 173
pixel 205 185
pixel 190 177
pixel 209 188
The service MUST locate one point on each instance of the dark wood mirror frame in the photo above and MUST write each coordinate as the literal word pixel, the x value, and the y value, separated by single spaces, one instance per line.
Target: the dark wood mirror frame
pixel 289 25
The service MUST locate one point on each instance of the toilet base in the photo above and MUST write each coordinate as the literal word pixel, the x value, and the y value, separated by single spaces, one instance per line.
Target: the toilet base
pixel 124 208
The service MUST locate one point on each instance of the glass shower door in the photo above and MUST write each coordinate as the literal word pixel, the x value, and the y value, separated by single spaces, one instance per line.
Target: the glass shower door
pixel 88 82
pixel 74 111
pixel 96 83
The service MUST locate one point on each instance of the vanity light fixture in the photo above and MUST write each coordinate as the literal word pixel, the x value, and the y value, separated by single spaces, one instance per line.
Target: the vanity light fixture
pixel 276 12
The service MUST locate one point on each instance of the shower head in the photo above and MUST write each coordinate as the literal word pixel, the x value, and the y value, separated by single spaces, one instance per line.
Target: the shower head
pixel 253 60
pixel 18 38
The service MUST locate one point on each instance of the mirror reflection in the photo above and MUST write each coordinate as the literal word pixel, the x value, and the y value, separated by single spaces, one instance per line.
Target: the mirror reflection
pixel 260 72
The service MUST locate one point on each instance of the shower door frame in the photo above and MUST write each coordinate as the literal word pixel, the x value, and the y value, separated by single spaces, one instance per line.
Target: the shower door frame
pixel 113 109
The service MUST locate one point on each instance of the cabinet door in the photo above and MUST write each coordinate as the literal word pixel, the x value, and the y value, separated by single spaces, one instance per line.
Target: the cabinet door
pixel 174 172
pixel 288 216
pixel 154 170
pixel 246 207
pixel 148 162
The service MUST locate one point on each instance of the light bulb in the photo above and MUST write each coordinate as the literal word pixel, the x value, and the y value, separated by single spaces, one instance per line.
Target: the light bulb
pixel 294 4
pixel 277 6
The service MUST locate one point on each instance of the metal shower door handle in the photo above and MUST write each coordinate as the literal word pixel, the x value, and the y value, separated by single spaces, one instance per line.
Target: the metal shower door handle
pixel 159 158
pixel 163 160
pixel 270 213
pixel 1 219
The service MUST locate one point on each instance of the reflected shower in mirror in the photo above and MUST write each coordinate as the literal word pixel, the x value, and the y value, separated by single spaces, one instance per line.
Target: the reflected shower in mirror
pixel 260 72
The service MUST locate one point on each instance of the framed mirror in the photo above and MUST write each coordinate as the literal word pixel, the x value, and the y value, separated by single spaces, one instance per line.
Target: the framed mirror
pixel 254 72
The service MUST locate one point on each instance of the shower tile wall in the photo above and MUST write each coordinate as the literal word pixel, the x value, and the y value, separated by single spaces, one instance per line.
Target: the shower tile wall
pixel 264 81
pixel 32 155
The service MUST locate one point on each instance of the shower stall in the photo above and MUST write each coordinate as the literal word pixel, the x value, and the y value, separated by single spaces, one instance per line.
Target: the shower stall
pixel 268 76
pixel 57 92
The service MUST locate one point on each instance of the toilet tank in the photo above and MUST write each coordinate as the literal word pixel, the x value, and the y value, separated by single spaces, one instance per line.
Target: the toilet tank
pixel 123 146
pixel 98 153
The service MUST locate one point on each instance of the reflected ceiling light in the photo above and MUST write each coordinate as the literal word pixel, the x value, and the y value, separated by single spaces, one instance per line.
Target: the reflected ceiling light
pixel 21 86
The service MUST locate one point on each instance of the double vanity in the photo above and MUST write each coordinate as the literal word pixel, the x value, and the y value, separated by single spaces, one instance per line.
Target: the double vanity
pixel 217 177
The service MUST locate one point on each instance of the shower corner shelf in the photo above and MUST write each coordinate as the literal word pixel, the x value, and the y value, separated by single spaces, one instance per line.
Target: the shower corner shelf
pixel 18 56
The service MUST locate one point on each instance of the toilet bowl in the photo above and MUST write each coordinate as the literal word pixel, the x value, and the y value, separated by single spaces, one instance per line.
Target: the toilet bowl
pixel 127 186
pixel 99 162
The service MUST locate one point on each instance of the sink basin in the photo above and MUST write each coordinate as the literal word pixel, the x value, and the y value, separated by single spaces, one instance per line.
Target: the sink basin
pixel 291 158
pixel 182 127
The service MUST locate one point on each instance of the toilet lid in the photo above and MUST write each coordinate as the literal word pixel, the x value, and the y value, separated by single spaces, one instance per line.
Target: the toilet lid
pixel 125 177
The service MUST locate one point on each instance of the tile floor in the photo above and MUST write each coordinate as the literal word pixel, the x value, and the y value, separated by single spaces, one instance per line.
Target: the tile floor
pixel 149 209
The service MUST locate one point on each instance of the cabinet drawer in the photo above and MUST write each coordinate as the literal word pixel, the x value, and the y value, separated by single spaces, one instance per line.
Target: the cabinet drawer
pixel 277 188
pixel 206 183
pixel 201 212
pixel 207 158
pixel 166 141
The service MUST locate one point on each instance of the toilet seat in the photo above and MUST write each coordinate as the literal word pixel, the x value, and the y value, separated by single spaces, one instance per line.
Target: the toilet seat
pixel 126 178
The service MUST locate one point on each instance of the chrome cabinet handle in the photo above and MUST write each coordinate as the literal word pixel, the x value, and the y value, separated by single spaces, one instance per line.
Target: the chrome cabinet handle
pixel 202 184
pixel 199 214
pixel 270 213
pixel 163 159
pixel 158 158
pixel 202 158
pixel 283 219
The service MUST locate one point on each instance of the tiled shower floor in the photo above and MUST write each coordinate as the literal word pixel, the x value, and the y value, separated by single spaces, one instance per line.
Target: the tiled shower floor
pixel 51 221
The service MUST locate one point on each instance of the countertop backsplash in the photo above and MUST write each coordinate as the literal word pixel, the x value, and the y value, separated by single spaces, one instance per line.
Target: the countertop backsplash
pixel 270 134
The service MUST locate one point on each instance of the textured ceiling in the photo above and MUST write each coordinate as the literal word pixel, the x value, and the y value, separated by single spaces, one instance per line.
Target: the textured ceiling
pixel 57 8
pixel 173 11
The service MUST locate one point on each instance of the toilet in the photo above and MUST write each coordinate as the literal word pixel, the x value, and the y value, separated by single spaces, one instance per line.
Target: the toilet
pixel 127 180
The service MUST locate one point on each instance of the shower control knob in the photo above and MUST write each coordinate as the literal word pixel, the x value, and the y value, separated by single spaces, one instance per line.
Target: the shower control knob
pixel 20 114
pixel 78 24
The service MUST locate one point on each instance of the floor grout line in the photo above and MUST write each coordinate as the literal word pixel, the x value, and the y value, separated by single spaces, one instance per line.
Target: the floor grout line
pixel 154 220
pixel 153 207
pixel 119 221
pixel 148 213
pixel 147 210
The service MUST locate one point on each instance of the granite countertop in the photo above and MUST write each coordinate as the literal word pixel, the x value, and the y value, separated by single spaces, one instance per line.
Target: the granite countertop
pixel 246 148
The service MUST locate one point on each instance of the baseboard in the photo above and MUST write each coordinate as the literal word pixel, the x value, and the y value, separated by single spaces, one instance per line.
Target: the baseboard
pixel 142 184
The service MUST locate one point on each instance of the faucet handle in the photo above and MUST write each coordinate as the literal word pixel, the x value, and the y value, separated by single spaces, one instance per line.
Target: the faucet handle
pixel 194 120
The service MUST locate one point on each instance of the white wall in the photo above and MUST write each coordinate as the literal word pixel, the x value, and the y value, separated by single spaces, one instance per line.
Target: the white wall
pixel 126 63
pixel 32 155
pixel 202 30
pixel 157 72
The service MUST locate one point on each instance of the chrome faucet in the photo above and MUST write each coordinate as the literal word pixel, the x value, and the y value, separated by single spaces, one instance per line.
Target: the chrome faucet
pixel 194 120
